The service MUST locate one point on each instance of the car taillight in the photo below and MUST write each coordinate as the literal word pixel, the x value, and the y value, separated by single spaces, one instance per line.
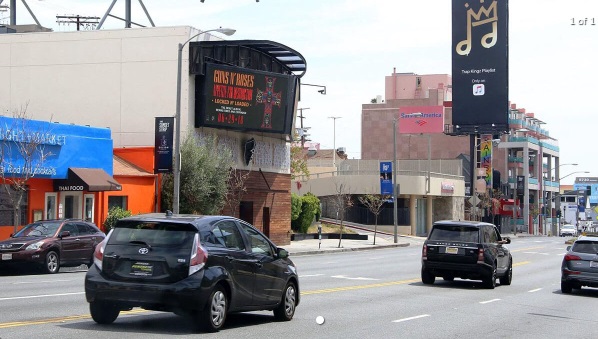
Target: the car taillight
pixel 199 256
pixel 569 257
pixel 98 253
pixel 425 252
pixel 480 256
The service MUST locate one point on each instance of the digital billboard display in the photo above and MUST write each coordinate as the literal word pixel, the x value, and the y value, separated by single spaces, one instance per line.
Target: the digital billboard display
pixel 480 66
pixel 243 99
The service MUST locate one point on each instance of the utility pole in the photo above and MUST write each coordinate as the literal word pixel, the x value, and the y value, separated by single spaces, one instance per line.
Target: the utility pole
pixel 87 21
pixel 302 130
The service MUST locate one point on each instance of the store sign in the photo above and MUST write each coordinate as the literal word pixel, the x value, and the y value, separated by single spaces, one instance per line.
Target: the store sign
pixel 447 187
pixel 163 151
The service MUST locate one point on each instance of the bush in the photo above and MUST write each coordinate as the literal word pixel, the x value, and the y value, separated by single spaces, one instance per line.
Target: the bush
pixel 296 203
pixel 114 214
pixel 310 207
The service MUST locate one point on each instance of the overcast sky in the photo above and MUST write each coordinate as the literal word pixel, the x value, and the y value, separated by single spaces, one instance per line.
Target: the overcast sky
pixel 351 45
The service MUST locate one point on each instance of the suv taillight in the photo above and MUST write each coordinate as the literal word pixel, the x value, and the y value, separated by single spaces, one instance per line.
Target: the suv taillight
pixel 199 256
pixel 480 256
pixel 425 252
pixel 98 253
pixel 569 257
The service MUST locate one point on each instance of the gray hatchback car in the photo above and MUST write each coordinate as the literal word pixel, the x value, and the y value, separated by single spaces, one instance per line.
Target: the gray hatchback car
pixel 580 264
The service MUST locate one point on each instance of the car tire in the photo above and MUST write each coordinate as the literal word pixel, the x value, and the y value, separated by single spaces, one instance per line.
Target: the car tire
pixel 508 276
pixel 427 277
pixel 286 309
pixel 490 281
pixel 214 314
pixel 103 313
pixel 52 262
pixel 566 287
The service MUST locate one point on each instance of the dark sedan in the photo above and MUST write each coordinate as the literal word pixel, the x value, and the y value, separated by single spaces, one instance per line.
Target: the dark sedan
pixel 580 264
pixel 50 244
pixel 201 266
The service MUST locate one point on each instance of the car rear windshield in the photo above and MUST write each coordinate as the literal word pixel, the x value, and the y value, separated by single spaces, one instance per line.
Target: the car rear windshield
pixel 583 246
pixel 455 233
pixel 159 234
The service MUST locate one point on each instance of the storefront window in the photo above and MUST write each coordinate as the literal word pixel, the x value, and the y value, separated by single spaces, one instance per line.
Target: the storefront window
pixel 117 200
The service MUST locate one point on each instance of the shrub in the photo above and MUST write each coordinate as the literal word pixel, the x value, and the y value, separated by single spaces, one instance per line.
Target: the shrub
pixel 296 203
pixel 309 208
pixel 114 214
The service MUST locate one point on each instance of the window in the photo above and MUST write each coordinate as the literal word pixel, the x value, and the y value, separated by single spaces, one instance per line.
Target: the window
pixel 224 234
pixel 118 201
pixel 259 244
pixel 71 228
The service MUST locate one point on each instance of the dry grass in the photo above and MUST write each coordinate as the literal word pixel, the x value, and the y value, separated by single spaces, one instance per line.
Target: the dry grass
pixel 329 228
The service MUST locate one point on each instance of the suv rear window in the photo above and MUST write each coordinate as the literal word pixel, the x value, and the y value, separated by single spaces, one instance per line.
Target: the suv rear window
pixel 159 234
pixel 582 246
pixel 455 233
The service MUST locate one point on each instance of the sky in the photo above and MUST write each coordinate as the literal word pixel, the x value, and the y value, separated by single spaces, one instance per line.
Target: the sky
pixel 352 45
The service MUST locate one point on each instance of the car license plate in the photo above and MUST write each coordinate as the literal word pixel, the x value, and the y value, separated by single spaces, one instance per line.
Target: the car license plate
pixel 593 264
pixel 6 256
pixel 142 269
pixel 452 250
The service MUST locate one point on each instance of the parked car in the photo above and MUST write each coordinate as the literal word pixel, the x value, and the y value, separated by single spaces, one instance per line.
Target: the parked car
pixel 580 264
pixel 50 244
pixel 467 250
pixel 568 230
pixel 201 266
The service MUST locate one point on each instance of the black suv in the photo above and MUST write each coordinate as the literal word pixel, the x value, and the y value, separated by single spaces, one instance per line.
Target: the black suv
pixel 467 250
pixel 201 266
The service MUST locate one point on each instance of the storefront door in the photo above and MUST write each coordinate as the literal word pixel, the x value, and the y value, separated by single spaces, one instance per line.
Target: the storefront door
pixel 70 205
pixel 88 210
pixel 50 206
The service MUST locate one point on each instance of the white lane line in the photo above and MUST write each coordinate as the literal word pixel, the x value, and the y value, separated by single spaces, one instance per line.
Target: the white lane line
pixel 535 290
pixel 38 282
pixel 350 278
pixel 530 252
pixel 489 301
pixel 310 275
pixel 41 296
pixel 411 318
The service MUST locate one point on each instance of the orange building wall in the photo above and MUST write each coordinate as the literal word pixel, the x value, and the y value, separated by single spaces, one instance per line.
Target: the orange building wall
pixel 140 156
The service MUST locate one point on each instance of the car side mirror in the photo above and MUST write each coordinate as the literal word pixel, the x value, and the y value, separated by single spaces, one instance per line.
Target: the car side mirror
pixel 507 240
pixel 568 248
pixel 65 234
pixel 282 253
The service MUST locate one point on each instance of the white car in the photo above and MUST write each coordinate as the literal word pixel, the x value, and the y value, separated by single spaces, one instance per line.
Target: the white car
pixel 568 230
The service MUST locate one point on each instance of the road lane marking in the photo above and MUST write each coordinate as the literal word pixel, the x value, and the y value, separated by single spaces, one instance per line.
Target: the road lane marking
pixel 310 275
pixel 521 263
pixel 489 301
pixel 360 287
pixel 38 282
pixel 41 296
pixel 411 318
pixel 60 319
pixel 527 249
pixel 535 290
pixel 349 278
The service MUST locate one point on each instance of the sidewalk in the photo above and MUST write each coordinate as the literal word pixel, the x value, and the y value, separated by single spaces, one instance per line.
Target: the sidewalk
pixel 314 246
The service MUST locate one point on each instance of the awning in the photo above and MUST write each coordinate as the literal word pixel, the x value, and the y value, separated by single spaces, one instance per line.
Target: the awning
pixel 87 179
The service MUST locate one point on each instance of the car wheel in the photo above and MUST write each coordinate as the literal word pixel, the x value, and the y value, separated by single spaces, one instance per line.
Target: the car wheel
pixel 286 308
pixel 566 287
pixel 506 279
pixel 52 262
pixel 103 313
pixel 427 277
pixel 214 314
pixel 448 278
pixel 490 281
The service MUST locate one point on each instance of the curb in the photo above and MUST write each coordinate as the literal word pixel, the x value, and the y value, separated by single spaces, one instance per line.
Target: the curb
pixel 338 250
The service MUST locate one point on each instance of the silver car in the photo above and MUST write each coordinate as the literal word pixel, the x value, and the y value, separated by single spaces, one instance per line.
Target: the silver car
pixel 580 264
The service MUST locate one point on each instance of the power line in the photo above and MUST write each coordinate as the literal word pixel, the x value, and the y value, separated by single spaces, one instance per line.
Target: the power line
pixel 87 22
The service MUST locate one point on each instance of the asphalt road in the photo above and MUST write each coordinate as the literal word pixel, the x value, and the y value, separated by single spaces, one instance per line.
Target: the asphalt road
pixel 364 294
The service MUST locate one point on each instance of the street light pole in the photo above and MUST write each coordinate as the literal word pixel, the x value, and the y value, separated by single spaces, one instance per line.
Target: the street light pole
pixel 395 186
pixel 177 117
pixel 334 141
pixel 556 230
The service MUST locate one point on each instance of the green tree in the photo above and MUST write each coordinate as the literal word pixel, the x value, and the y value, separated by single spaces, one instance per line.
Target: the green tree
pixel 298 163
pixel 115 213
pixel 205 168
pixel 374 203
pixel 341 202
pixel 296 203
pixel 310 206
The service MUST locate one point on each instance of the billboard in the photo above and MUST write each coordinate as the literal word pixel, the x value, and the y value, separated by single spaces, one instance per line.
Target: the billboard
pixel 244 99
pixel 480 66
pixel 386 178
pixel 486 158
pixel 163 133
pixel 421 119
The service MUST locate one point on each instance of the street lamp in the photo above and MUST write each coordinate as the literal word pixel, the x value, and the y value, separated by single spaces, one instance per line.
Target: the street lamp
pixel 334 141
pixel 586 172
pixel 177 117
pixel 322 91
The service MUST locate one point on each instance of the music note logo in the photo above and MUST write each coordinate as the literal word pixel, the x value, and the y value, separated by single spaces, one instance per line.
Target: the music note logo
pixel 479 89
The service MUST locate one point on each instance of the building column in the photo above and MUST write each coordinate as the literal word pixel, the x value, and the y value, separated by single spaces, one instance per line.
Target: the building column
pixel 413 214
pixel 526 226
pixel 429 219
